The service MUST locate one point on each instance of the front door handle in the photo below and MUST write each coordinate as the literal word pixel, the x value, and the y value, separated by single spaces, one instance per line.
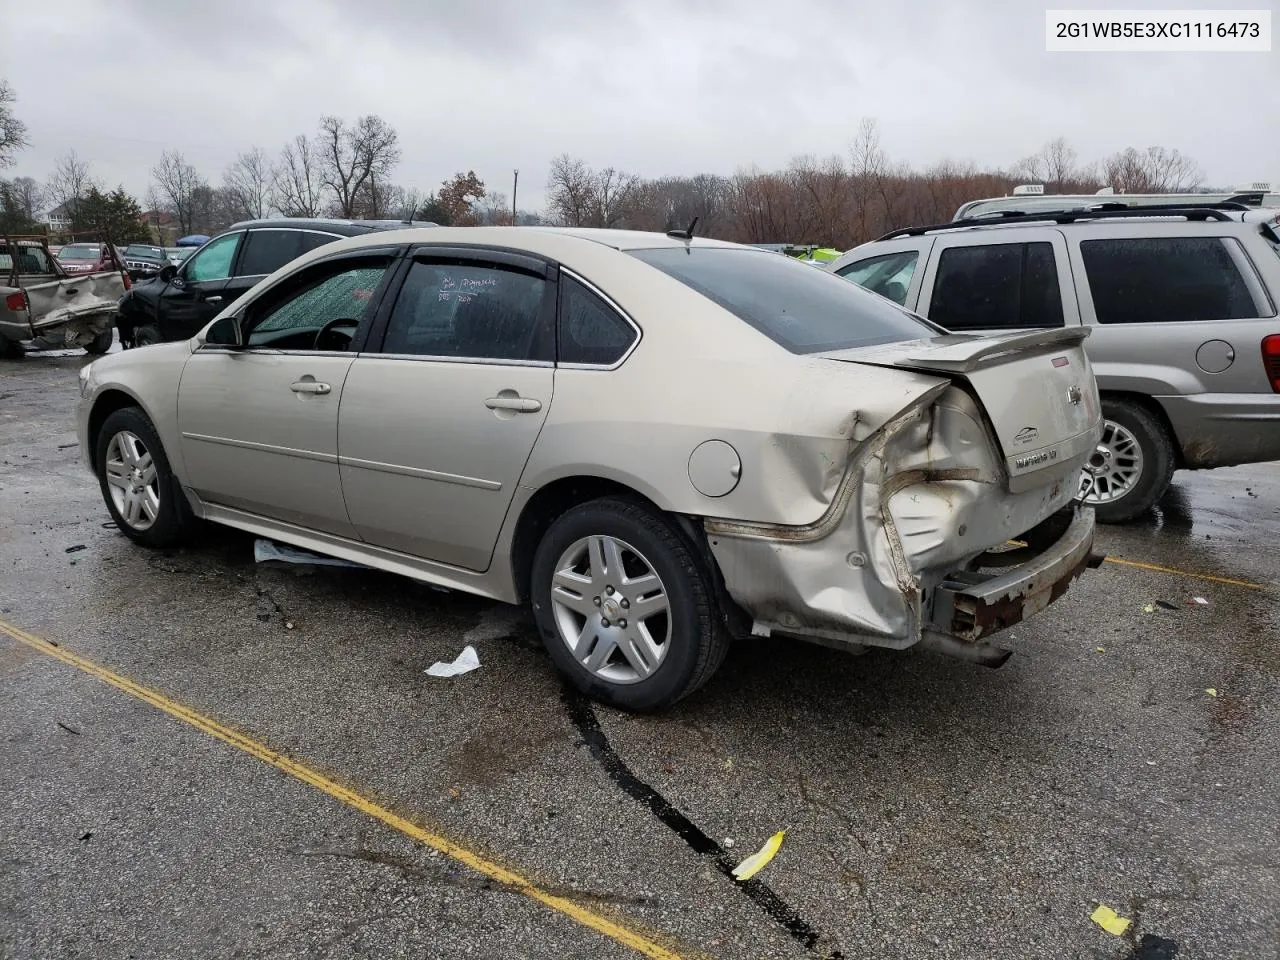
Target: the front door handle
pixel 518 404
pixel 309 386
pixel 216 298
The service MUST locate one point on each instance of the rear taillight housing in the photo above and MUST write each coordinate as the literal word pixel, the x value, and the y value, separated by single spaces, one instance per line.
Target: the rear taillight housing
pixel 16 301
pixel 127 282
pixel 1271 360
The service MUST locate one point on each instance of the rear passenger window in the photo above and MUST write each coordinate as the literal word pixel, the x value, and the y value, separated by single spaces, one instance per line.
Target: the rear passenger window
pixel 467 309
pixel 266 251
pixel 997 286
pixel 1165 279
pixel 590 330
pixel 889 275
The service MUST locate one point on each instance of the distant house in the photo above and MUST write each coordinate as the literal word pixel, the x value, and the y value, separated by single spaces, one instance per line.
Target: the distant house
pixel 58 220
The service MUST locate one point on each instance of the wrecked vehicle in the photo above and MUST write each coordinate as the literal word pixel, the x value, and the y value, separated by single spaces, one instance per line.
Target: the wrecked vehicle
pixel 661 442
pixel 42 306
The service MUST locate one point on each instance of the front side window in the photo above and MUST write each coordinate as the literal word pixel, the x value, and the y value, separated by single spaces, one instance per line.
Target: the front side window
pixel 336 295
pixel 469 309
pixel 266 251
pixel 799 308
pixel 997 286
pixel 1165 279
pixel 590 331
pixel 213 262
pixel 888 275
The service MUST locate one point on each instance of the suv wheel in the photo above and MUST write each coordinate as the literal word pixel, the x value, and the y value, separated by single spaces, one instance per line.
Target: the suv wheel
pixel 1132 466
pixel 145 336
pixel 144 497
pixel 101 343
pixel 624 605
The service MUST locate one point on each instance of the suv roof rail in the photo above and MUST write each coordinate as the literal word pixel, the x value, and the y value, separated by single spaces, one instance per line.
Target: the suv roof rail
pixel 1108 210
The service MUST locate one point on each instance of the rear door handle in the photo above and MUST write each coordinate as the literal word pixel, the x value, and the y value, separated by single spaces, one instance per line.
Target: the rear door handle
pixel 518 404
pixel 309 386
pixel 214 299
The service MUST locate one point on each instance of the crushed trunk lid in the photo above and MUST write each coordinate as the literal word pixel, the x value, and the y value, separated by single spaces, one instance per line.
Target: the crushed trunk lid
pixel 1037 388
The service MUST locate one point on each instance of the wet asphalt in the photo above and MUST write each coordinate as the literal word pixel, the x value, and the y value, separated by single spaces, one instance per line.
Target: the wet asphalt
pixel 933 809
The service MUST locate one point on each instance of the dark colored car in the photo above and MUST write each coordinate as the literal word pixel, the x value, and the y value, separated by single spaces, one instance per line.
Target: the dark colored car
pixel 144 260
pixel 180 300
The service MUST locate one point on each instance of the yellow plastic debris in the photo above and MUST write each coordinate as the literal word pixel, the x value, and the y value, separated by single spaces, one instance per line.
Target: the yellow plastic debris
pixel 1149 608
pixel 1100 649
pixel 749 867
pixel 1110 921
pixel 1211 691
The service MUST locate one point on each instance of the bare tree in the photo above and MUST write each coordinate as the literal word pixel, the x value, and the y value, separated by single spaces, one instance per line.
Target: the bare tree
pixel 1154 170
pixel 296 180
pixel 615 196
pixel 350 155
pixel 178 182
pixel 13 132
pixel 570 191
pixel 28 196
pixel 247 183
pixel 409 203
pixel 69 182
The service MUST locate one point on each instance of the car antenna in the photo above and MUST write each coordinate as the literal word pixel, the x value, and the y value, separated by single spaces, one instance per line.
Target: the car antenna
pixel 685 234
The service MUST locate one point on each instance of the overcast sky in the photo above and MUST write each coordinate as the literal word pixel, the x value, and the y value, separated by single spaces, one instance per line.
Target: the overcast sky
pixel 649 86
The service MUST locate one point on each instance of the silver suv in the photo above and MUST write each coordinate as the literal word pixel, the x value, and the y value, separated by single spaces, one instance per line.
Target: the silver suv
pixel 1181 303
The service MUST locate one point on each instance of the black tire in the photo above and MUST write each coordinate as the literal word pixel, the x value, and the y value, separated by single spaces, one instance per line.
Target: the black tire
pixel 145 335
pixel 11 349
pixel 697 641
pixel 101 343
pixel 174 521
pixel 1158 460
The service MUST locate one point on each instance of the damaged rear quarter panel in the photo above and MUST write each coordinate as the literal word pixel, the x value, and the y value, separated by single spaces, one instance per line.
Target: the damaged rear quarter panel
pixel 924 494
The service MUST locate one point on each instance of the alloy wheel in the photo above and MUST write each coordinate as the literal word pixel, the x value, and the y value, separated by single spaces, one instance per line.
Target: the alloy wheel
pixel 132 480
pixel 1114 468
pixel 611 609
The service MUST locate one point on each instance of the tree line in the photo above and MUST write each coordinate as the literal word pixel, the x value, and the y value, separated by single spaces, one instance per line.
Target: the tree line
pixel 841 201
pixel 346 169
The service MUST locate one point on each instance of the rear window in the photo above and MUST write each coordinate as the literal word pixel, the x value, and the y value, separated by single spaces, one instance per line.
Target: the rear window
pixel 1166 279
pixel 799 308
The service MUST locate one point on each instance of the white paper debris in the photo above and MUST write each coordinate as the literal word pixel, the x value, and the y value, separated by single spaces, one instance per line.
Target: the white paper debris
pixel 467 661
pixel 270 550
pixel 1201 600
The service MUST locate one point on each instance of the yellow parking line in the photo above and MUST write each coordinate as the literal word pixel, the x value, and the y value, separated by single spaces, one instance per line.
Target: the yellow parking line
pixel 1187 573
pixel 513 881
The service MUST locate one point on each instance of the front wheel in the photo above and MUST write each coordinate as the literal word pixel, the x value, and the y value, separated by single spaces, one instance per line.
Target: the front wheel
pixel 145 336
pixel 1132 466
pixel 625 606
pixel 101 343
pixel 142 494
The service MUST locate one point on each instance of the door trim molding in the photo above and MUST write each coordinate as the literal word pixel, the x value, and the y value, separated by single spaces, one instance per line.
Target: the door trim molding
pixel 263 447
pixel 420 473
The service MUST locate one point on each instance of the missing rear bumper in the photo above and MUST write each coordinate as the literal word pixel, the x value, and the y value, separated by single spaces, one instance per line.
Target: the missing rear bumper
pixel 972 604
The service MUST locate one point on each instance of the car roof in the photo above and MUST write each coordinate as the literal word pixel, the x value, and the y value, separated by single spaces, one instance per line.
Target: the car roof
pixel 1222 216
pixel 628 239
pixel 346 228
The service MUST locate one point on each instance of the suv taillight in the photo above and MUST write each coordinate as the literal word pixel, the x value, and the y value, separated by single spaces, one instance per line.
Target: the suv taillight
pixel 16 301
pixel 124 274
pixel 1271 359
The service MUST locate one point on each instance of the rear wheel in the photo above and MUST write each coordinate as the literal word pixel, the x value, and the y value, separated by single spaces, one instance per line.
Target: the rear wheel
pixel 11 349
pixel 1131 467
pixel 625 606
pixel 142 494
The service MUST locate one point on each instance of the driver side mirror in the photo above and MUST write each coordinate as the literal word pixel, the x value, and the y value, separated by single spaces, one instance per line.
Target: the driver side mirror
pixel 168 272
pixel 225 332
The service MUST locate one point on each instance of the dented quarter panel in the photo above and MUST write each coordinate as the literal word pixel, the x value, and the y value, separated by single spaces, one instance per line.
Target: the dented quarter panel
pixel 83 305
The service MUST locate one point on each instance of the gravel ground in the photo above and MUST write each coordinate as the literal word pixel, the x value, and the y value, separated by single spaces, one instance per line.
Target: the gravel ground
pixel 933 809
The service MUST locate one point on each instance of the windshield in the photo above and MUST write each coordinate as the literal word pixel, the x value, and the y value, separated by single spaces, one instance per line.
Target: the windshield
pixel 144 253
pixel 80 251
pixel 799 308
